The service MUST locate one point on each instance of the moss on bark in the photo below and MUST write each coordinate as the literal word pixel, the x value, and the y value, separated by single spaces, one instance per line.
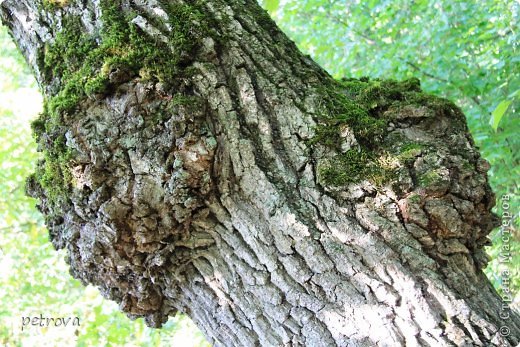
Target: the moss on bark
pixel 367 107
pixel 84 65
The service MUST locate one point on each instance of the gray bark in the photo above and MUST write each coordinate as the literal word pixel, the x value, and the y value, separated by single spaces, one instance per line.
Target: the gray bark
pixel 216 209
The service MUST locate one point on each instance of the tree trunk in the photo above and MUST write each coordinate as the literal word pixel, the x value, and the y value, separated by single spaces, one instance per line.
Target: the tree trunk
pixel 196 161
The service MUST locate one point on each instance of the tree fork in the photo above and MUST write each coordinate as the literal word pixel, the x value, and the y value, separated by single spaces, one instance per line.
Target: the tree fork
pixel 196 161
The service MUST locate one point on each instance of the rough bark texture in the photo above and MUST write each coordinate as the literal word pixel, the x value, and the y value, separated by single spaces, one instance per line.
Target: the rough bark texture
pixel 214 194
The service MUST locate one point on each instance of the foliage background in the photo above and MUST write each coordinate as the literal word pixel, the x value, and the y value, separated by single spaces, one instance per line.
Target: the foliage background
pixel 466 51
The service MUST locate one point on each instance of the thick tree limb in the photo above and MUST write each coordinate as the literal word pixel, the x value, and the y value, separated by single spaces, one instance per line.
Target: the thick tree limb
pixel 221 182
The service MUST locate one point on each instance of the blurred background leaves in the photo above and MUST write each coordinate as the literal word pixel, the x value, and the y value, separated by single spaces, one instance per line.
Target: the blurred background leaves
pixel 466 51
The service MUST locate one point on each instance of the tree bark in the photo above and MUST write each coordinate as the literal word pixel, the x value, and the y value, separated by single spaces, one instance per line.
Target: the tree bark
pixel 226 178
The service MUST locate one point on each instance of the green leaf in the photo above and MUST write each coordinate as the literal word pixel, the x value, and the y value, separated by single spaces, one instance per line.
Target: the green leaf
pixel 271 5
pixel 498 113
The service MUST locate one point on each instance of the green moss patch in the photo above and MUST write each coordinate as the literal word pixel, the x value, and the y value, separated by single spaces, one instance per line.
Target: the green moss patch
pixel 83 63
pixel 354 166
pixel 54 4
pixel 367 107
pixel 360 105
pixel 409 150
